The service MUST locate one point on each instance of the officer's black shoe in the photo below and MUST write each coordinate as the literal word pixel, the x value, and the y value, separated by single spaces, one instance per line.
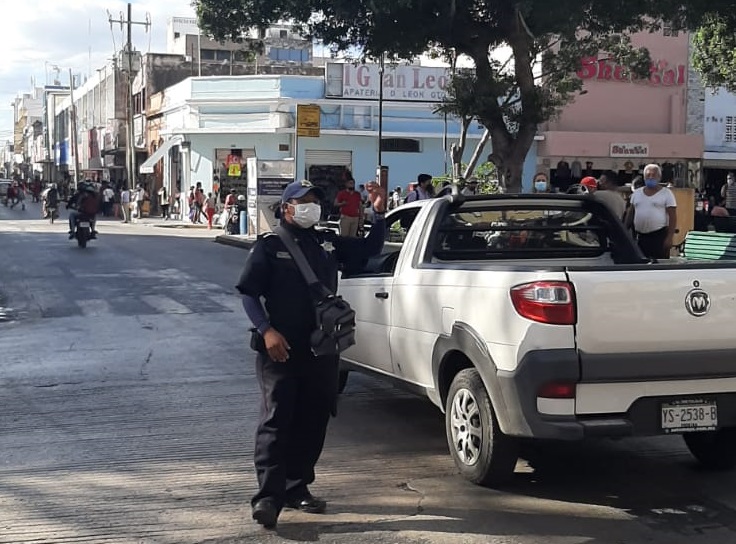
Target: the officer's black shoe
pixel 93 235
pixel 307 503
pixel 266 513
pixel 71 235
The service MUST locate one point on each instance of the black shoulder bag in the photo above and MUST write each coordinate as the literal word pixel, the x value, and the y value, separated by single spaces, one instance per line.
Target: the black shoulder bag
pixel 335 318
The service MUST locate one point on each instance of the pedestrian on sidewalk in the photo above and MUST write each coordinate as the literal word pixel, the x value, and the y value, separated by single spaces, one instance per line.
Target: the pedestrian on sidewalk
pixel 140 195
pixel 210 208
pixel 125 204
pixel 163 201
pixel 108 196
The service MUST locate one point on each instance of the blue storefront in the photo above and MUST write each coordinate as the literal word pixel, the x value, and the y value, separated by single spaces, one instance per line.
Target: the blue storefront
pixel 209 122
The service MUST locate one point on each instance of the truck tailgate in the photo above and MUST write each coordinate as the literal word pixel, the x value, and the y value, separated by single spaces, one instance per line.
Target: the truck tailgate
pixel 657 323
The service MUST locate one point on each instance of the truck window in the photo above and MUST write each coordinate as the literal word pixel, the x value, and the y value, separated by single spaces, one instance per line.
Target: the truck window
pixel 384 264
pixel 400 223
pixel 519 233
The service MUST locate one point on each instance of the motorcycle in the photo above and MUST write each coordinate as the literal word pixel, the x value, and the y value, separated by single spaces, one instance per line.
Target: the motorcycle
pixel 83 230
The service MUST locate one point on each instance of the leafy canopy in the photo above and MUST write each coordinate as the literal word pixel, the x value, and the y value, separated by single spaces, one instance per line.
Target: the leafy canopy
pixel 714 55
pixel 545 40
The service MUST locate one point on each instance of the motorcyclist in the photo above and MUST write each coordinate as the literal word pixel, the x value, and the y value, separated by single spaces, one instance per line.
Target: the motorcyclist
pixel 230 200
pixel 85 202
pixel 49 199
pixel 233 222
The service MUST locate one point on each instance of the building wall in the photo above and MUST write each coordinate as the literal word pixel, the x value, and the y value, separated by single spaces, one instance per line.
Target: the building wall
pixel 657 106
pixel 720 114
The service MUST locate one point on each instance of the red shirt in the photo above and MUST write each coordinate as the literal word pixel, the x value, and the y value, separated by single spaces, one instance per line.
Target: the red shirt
pixel 352 200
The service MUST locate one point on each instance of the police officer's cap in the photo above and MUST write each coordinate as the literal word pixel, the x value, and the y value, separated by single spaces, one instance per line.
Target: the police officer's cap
pixel 299 189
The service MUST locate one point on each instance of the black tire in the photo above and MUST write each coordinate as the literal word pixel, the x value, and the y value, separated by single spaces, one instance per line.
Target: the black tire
pixel 714 450
pixel 342 381
pixel 491 458
pixel 82 236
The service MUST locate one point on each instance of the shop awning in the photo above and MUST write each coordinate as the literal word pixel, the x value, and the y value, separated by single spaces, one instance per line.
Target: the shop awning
pixel 150 162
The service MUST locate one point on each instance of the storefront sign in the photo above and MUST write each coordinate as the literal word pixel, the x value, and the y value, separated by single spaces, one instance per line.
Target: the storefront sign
pixel 308 120
pixel 412 83
pixel 233 166
pixel 661 73
pixel 629 150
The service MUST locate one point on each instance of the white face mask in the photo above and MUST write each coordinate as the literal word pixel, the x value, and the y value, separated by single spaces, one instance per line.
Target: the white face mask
pixel 307 215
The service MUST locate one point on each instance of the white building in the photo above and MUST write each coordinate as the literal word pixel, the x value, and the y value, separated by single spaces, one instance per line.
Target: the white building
pixel 720 137
pixel 282 45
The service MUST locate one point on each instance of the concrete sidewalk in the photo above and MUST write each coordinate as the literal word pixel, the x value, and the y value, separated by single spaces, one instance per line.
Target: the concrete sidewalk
pixel 235 240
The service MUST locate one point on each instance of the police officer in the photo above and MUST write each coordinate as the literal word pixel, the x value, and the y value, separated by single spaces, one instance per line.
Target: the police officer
pixel 299 389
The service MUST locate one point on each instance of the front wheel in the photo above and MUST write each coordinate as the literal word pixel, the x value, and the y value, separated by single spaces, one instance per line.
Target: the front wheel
pixel 482 453
pixel 714 450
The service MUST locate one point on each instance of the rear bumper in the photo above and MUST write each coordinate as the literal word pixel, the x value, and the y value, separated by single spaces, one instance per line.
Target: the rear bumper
pixel 641 417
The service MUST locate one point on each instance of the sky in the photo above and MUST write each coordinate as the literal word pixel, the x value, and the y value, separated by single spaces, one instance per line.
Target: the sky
pixel 72 34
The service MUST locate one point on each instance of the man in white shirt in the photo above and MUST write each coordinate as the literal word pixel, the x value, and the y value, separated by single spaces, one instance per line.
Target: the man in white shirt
pixel 107 198
pixel 653 213
pixel 125 204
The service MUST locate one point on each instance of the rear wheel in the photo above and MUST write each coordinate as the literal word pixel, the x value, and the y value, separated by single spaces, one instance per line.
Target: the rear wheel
pixel 82 237
pixel 715 450
pixel 482 453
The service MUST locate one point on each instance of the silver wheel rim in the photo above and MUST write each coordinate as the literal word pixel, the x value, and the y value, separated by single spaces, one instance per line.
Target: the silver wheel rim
pixel 466 426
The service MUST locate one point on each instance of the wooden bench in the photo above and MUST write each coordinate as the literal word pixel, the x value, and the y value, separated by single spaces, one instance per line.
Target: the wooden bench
pixel 710 246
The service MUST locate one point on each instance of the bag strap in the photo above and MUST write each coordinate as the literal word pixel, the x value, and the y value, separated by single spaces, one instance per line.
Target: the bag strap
pixel 298 255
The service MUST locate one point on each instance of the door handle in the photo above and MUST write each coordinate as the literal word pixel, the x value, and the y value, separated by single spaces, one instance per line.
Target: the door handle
pixel 382 295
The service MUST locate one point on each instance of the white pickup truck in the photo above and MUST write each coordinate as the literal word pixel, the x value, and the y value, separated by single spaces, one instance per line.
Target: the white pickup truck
pixel 537 317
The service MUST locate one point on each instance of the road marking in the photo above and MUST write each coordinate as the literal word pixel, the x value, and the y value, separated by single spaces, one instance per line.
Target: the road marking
pixel 165 305
pixel 231 302
pixel 94 307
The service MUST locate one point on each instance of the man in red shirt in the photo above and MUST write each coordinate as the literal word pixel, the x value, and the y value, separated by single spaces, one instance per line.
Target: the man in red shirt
pixel 350 203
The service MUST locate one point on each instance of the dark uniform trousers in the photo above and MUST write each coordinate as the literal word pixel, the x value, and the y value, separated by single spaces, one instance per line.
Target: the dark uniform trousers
pixel 299 396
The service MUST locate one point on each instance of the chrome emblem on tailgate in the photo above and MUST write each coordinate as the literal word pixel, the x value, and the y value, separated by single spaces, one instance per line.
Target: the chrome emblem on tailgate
pixel 697 302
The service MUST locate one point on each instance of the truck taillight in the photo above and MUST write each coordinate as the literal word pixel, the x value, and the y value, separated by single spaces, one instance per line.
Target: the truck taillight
pixel 550 302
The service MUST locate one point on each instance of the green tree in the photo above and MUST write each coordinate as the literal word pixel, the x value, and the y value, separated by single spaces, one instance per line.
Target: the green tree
pixel 545 40
pixel 714 55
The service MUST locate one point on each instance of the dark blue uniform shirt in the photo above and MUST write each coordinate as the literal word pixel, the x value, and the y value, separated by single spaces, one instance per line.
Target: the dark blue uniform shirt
pixel 270 272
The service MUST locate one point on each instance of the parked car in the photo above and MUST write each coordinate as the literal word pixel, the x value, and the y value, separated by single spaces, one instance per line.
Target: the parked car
pixel 537 317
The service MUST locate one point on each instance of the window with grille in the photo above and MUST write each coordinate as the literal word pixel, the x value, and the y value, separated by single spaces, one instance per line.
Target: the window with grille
pixel 668 31
pixel 730 135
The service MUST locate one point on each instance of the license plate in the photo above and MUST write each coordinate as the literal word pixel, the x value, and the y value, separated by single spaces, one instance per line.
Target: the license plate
pixel 84 225
pixel 689 415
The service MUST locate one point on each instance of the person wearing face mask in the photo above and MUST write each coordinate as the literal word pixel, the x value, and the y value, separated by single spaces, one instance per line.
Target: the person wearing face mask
pixel 350 203
pixel 299 389
pixel 541 183
pixel 653 214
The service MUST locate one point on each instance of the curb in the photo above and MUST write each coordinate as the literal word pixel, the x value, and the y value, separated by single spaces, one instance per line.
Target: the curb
pixel 234 241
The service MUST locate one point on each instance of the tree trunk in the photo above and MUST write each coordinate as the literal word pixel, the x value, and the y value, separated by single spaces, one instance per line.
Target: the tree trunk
pixel 458 150
pixel 477 153
pixel 510 171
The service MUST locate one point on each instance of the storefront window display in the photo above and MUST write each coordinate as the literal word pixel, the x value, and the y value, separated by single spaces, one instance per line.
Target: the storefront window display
pixel 230 171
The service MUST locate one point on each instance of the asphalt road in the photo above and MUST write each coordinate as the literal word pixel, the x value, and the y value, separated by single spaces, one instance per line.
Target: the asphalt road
pixel 129 405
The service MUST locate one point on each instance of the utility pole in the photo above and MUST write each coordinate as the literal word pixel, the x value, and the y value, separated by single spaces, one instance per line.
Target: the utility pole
pixel 128 23
pixel 73 123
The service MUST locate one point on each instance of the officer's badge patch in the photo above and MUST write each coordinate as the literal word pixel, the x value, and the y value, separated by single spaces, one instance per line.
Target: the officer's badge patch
pixel 283 255
pixel 328 247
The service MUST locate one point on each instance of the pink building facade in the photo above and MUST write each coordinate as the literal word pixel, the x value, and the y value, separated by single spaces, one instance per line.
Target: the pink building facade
pixel 621 125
